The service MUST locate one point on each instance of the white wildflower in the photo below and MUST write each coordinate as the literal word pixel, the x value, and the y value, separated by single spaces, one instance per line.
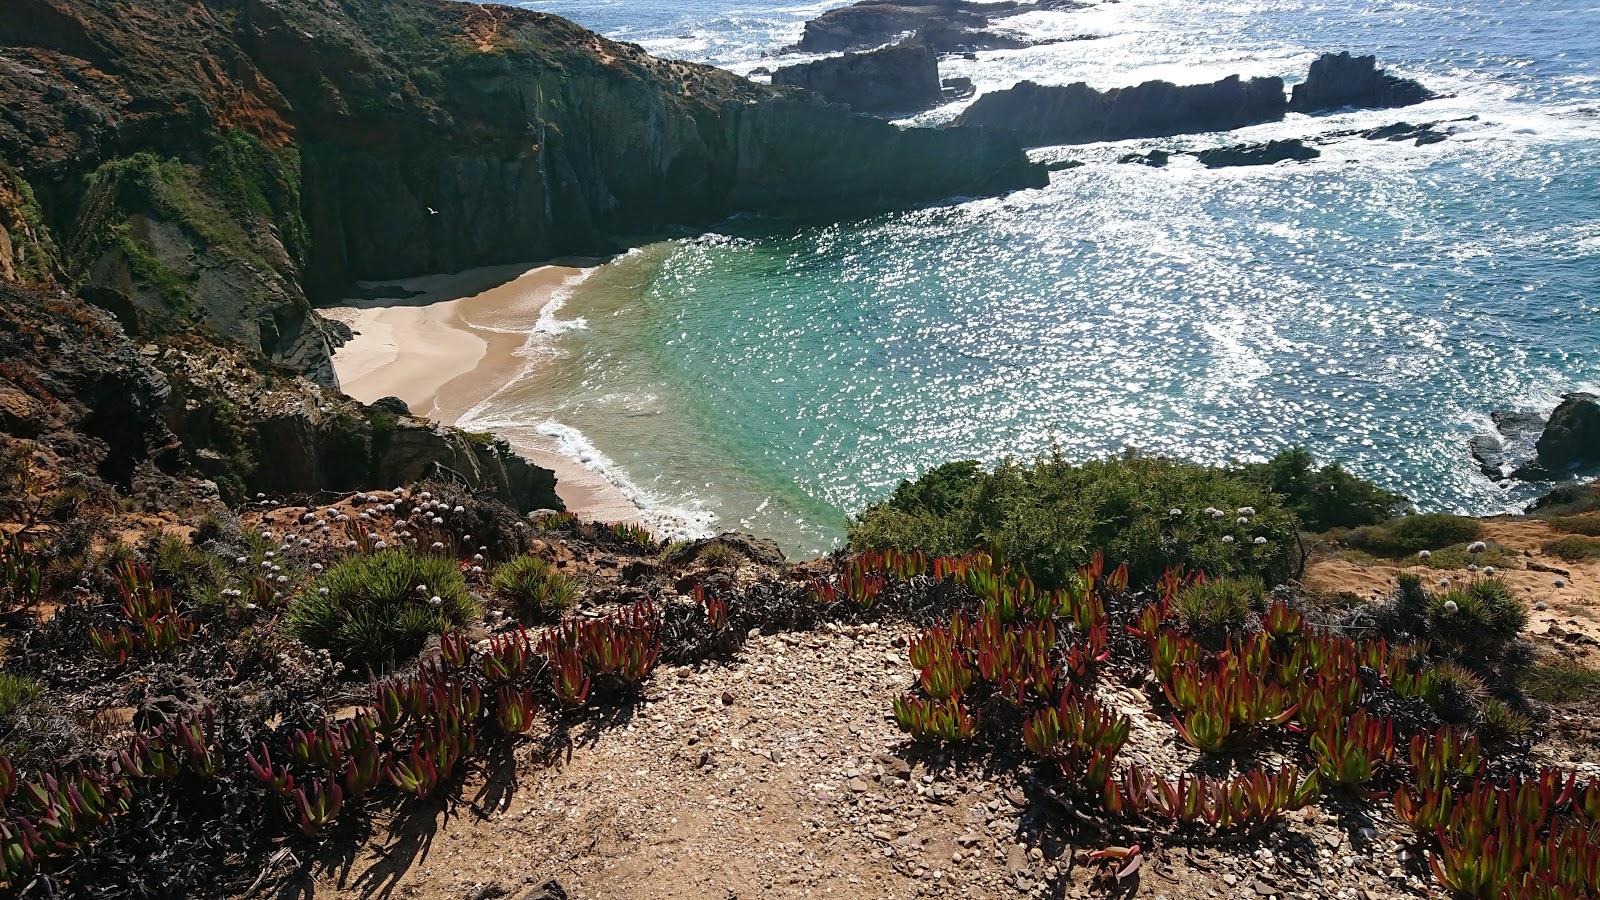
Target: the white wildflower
pixel 1488 570
pixel 435 600
pixel 1450 606
pixel 438 545
pixel 1174 512
pixel 1477 547
pixel 1227 539
pixel 1260 540
pixel 379 545
pixel 1424 554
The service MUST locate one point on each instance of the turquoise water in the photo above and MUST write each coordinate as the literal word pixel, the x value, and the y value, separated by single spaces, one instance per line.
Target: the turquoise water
pixel 1374 305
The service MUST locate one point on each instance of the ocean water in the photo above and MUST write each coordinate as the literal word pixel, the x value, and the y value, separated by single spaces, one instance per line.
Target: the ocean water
pixel 1374 305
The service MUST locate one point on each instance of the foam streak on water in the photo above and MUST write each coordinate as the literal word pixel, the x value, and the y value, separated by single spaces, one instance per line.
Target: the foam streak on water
pixel 1373 305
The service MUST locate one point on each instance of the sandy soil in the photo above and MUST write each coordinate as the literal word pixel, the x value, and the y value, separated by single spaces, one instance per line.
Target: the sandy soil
pixel 1563 597
pixel 426 347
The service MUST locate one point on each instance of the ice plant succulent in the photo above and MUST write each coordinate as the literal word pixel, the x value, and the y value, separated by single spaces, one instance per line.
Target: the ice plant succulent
pixel 946 721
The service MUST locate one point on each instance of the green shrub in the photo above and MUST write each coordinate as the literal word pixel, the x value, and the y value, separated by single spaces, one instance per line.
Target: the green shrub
pixel 373 608
pixel 1587 524
pixel 1498 722
pixel 1326 497
pixel 17 693
pixel 719 556
pixel 1564 682
pixel 1219 604
pixel 1408 535
pixel 190 572
pixel 1483 612
pixel 533 588
pixel 1574 548
pixel 1050 516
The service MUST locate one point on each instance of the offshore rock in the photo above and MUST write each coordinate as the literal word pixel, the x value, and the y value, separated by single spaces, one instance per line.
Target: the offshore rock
pixel 949 26
pixel 1257 154
pixel 1339 80
pixel 899 79
pixel 1078 114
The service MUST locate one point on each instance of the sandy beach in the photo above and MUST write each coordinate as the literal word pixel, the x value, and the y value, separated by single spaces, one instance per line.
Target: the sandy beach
pixel 444 343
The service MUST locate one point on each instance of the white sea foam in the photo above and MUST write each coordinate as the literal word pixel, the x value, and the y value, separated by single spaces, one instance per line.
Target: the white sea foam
pixel 665 520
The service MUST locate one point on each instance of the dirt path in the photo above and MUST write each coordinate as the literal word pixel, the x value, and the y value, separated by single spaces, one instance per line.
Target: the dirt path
pixel 780 776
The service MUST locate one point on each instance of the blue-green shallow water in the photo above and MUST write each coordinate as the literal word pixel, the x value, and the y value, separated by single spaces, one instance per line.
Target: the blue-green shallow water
pixel 1374 305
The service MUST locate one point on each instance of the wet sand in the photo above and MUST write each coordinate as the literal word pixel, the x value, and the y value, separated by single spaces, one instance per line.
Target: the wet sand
pixel 445 343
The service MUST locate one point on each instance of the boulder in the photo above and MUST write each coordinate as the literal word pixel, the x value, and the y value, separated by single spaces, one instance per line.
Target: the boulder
pixel 1257 154
pixel 1078 114
pixel 899 79
pixel 1571 439
pixel 394 406
pixel 1339 80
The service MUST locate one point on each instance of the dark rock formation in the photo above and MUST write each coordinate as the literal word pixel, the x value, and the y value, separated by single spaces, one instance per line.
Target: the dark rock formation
pixel 1571 438
pixel 1510 447
pixel 219 176
pixel 949 26
pixel 394 406
pixel 197 422
pixel 1155 158
pixel 899 79
pixel 1338 80
pixel 1257 154
pixel 957 88
pixel 1421 135
pixel 1077 114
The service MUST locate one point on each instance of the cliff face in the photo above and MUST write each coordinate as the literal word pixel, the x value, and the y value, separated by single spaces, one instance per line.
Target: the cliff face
pixel 213 164
pixel 204 169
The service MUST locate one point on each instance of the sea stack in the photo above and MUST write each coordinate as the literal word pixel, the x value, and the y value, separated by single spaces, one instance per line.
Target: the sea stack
pixel 1339 80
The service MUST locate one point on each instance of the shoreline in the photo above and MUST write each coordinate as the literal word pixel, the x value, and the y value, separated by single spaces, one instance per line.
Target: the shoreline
pixel 425 345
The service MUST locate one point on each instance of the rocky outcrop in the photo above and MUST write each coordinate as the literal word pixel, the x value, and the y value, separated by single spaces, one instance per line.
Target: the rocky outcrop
pixel 1571 438
pixel 1257 154
pixel 1510 446
pixel 1339 80
pixel 218 176
pixel 899 79
pixel 193 422
pixel 948 26
pixel 1077 114
pixel 1154 158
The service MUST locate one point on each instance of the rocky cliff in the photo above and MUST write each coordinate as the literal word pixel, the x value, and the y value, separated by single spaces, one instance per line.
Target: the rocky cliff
pixel 216 165
pixel 205 170
pixel 1079 114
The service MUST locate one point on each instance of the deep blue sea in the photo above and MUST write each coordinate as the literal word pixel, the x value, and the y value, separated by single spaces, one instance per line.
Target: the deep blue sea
pixel 1374 305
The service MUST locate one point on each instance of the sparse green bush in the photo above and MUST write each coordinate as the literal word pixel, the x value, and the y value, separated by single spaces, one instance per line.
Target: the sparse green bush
pixel 1587 524
pixel 1454 692
pixel 1574 548
pixel 534 589
pixel 1481 612
pixel 377 607
pixel 1051 515
pixel 1564 682
pixel 1224 604
pixel 719 556
pixel 1408 535
pixel 1498 722
pixel 1326 497
pixel 190 572
pixel 17 693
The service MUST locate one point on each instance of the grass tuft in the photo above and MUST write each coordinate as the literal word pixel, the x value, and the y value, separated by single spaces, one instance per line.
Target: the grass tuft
pixel 534 589
pixel 371 609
